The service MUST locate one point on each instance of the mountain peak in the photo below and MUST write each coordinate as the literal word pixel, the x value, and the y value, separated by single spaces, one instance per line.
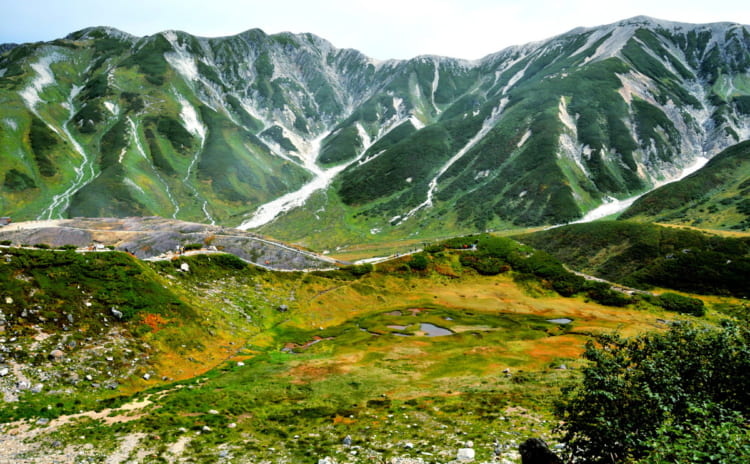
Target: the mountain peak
pixel 98 32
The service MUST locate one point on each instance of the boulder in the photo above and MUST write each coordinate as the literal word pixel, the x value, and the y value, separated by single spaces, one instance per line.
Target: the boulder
pixel 535 451
pixel 56 355
pixel 282 308
pixel 465 455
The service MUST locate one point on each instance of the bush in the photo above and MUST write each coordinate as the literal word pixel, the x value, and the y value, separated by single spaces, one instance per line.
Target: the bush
pixel 703 439
pixel 641 391
pixel 682 304
pixel 434 248
pixel 360 269
pixel 602 293
pixel 193 246
pixel 419 262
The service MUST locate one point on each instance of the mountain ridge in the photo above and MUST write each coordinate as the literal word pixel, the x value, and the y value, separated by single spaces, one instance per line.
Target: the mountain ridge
pixel 216 129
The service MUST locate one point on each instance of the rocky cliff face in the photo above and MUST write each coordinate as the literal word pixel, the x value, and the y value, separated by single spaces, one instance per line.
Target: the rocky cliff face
pixel 288 133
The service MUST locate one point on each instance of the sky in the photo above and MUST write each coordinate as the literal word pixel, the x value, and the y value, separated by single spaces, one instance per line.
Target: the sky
pixel 381 29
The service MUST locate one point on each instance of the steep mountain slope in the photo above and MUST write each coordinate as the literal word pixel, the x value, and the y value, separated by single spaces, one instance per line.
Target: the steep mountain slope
pixel 717 196
pixel 323 145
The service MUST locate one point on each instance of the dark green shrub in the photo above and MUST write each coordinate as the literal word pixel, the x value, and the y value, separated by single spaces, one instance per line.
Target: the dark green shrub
pixel 16 181
pixel 193 246
pixel 434 248
pixel 602 293
pixel 360 269
pixel 419 262
pixel 490 265
pixel 682 304
pixel 43 143
pixel 639 392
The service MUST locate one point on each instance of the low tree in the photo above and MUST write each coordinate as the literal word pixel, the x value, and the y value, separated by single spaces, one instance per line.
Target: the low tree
pixel 657 388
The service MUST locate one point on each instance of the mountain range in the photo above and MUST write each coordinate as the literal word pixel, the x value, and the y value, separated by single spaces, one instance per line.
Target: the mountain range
pixel 288 135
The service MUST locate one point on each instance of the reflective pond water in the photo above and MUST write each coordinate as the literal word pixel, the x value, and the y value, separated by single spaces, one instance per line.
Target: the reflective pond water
pixel 434 331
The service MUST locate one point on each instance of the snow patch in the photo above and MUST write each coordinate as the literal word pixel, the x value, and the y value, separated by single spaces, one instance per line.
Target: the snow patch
pixel 488 124
pixel 84 172
pixel 134 134
pixel 513 80
pixel 139 147
pixel 129 182
pixel 571 149
pixel 122 155
pixel 181 60
pixel 267 212
pixel 565 117
pixel 10 124
pixel 190 119
pixel 112 107
pixel 397 104
pixel 44 77
pixel 482 174
pixel 613 206
pixel 363 136
pixel 435 82
pixel 193 125
pixel 416 122
pixel 524 138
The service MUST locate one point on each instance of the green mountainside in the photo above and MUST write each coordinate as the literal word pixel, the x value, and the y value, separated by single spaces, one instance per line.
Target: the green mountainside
pixel 716 197
pixel 288 135
pixel 648 255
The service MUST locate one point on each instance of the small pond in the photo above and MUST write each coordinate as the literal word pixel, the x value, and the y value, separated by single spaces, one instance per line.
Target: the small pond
pixel 433 330
pixel 562 320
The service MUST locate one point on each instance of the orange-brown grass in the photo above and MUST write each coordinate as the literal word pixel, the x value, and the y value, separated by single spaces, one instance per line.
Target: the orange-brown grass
pixel 719 232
